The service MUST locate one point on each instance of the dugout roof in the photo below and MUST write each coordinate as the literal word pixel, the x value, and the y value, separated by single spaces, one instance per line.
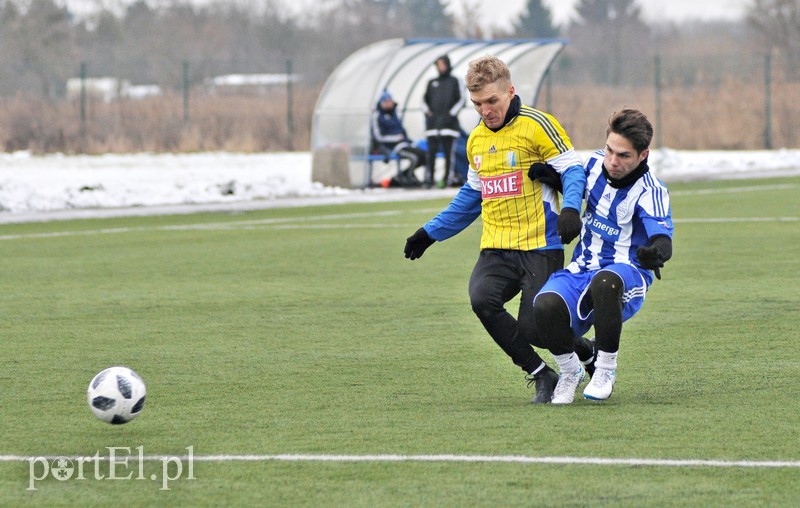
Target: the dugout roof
pixel 404 66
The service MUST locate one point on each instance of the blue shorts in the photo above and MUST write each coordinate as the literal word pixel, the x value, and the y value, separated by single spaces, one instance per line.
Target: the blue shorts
pixel 573 288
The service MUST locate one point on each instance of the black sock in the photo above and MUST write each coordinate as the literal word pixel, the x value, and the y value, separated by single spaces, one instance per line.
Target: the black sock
pixel 584 349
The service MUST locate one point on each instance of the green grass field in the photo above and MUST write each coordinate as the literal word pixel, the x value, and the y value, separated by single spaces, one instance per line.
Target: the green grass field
pixel 305 332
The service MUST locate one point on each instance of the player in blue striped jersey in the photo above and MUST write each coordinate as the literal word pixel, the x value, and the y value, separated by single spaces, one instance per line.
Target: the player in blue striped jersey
pixel 625 239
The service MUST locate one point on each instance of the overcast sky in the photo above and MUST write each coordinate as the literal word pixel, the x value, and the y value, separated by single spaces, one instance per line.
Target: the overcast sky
pixel 501 11
pixel 497 13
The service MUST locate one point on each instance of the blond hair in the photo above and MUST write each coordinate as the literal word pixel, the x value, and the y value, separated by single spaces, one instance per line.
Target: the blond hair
pixel 485 71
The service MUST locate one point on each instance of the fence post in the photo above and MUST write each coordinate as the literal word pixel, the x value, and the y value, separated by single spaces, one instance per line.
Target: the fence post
pixel 768 101
pixel 659 143
pixel 289 101
pixel 185 91
pixel 83 98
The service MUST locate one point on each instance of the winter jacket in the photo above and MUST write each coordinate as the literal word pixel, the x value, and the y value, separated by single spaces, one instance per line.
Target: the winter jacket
pixel 443 100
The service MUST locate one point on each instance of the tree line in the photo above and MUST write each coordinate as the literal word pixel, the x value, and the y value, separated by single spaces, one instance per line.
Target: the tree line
pixel 42 42
pixel 612 53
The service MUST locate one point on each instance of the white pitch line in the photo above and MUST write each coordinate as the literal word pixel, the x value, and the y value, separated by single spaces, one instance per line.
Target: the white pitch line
pixel 287 224
pixel 738 219
pixel 517 459
pixel 307 222
pixel 205 226
pixel 338 226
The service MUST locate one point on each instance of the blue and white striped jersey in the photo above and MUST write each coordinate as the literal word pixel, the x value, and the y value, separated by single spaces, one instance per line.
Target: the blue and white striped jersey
pixel 616 222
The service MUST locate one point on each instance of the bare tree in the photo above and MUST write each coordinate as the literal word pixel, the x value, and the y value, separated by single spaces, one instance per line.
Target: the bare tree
pixel 38 45
pixel 610 40
pixel 778 23
pixel 465 25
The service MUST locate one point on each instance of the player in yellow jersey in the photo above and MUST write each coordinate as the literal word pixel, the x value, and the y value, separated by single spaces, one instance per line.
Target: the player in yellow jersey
pixel 524 228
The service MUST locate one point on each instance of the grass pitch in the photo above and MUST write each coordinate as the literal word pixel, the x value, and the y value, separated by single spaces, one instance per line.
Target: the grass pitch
pixel 305 332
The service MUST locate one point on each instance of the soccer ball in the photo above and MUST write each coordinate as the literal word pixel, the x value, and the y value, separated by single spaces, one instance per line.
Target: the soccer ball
pixel 116 395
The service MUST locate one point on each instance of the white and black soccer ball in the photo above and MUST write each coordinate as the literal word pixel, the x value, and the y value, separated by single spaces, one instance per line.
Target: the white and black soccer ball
pixel 116 395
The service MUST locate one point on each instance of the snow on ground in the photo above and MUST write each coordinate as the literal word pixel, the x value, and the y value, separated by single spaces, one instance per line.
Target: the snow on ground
pixel 34 188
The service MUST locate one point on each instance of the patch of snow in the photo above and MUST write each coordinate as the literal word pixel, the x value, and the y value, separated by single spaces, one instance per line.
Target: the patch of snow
pixel 33 186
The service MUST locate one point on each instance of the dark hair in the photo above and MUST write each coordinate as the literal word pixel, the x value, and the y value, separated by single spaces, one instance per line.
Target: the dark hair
pixel 632 125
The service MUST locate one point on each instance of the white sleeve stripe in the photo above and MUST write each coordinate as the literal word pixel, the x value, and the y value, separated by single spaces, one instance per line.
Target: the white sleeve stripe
pixel 658 200
pixel 473 179
pixel 565 160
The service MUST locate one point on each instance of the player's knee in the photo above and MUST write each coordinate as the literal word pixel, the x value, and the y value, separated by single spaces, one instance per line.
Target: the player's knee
pixel 552 323
pixel 606 285
pixel 551 315
pixel 546 306
pixel 484 303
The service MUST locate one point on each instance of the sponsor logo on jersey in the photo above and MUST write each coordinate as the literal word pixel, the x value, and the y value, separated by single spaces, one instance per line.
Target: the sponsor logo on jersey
pixel 607 196
pixel 603 228
pixel 502 186
pixel 476 162
pixel 492 149
pixel 512 159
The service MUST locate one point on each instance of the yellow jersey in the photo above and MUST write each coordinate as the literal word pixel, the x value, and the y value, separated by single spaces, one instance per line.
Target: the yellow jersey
pixel 517 212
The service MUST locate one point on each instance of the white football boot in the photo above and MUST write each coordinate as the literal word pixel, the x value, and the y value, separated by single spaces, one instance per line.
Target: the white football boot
pixel 601 385
pixel 567 384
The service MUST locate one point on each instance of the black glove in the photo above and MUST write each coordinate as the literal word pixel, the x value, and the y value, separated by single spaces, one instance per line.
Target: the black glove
pixel 417 243
pixel 652 257
pixel 546 174
pixel 568 225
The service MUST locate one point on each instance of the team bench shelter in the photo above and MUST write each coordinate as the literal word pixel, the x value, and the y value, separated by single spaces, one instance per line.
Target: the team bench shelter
pixel 340 130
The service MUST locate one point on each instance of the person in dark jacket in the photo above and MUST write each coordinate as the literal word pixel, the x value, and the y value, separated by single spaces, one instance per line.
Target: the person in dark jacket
pixel 389 138
pixel 441 103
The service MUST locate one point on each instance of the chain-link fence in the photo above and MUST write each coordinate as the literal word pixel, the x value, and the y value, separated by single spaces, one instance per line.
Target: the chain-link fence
pixel 737 101
pixel 732 102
